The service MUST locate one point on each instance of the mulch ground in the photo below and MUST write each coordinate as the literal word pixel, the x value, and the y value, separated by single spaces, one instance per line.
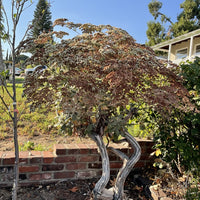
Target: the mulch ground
pixel 139 186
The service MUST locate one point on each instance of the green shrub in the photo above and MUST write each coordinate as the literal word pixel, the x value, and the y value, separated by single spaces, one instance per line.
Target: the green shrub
pixel 30 146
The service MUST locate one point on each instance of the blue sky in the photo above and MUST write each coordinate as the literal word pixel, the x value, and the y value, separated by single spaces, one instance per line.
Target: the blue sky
pixel 131 15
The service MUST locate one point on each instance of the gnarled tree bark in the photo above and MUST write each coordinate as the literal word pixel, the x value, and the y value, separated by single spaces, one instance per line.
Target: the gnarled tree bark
pixel 128 164
pixel 117 192
pixel 99 189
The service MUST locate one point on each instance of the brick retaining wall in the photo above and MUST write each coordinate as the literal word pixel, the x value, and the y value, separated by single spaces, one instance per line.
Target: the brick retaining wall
pixel 69 161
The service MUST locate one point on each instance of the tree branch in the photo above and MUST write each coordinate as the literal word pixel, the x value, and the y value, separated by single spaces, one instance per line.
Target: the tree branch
pixel 119 153
pixel 4 103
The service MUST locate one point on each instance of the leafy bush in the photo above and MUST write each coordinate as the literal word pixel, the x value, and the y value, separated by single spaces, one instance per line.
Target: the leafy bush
pixel 178 138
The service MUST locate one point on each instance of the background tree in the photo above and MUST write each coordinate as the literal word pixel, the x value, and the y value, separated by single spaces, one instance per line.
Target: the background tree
pixel 155 33
pixel 106 64
pixel 42 22
pixel 188 19
pixel 154 8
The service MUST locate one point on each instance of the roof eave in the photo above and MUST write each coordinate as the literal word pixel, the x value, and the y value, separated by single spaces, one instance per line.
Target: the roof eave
pixel 164 46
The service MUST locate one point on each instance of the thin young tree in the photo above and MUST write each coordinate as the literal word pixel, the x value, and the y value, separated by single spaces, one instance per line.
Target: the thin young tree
pixel 97 80
pixel 17 9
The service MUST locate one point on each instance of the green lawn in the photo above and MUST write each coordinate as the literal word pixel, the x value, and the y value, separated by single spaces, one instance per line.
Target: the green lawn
pixel 31 123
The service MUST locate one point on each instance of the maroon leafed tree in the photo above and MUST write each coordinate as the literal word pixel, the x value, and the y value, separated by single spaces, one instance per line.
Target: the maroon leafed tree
pixel 96 80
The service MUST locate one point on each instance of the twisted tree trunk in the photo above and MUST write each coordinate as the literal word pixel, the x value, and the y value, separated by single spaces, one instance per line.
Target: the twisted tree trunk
pixel 117 192
pixel 99 189
pixel 128 164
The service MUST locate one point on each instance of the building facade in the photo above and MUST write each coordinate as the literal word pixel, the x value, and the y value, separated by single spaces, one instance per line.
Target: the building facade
pixel 182 48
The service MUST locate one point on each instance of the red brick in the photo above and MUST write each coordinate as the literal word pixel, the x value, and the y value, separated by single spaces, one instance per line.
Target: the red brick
pixel 81 146
pixel 65 159
pixel 46 176
pixel 149 144
pixel 130 152
pixel 142 143
pixel 38 177
pixel 94 151
pixel 23 169
pixel 94 165
pixel 143 150
pixel 8 161
pixel 149 150
pixel 35 177
pixel 35 154
pixel 86 174
pixel 89 158
pixel 23 154
pixel 115 165
pixel 93 148
pixel 145 157
pixel 140 164
pixel 35 160
pixel 124 150
pixel 23 157
pixel 113 157
pixel 35 157
pixel 64 175
pixel 73 151
pixel 52 167
pixel 59 149
pixel 75 166
pixel 48 157
pixel 84 151
pixel 23 161
pixel 8 158
pixel 71 146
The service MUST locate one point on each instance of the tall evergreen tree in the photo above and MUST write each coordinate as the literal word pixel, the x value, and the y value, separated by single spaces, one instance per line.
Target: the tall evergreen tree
pixel 42 19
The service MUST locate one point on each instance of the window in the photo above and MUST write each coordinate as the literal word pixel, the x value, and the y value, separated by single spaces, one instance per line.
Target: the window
pixel 182 53
pixel 197 50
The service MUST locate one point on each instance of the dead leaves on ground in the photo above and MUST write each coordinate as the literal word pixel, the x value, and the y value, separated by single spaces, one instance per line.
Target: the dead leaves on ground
pixel 74 189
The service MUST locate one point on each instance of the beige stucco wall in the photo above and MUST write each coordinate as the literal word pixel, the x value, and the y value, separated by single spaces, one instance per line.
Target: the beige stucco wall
pixel 174 48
